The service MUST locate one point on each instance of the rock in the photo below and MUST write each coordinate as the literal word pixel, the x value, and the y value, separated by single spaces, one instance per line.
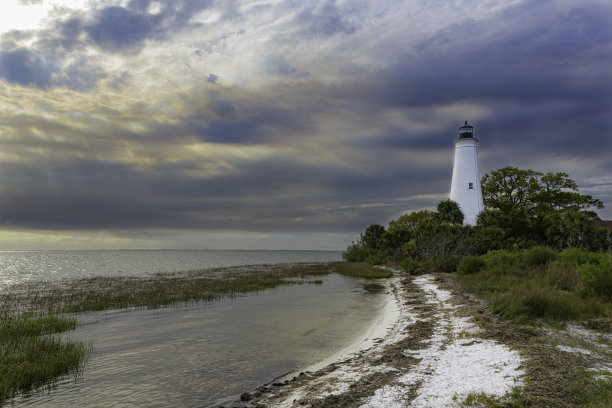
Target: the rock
pixel 246 397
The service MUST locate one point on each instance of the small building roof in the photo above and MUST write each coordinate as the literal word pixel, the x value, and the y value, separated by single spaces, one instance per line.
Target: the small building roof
pixel 607 224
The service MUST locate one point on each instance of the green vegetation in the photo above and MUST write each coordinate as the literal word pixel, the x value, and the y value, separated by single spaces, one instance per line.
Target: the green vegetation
pixel 535 253
pixel 30 357
pixel 510 400
pixel 592 392
pixel 360 270
pixel 538 283
pixel 523 209
pixel 101 293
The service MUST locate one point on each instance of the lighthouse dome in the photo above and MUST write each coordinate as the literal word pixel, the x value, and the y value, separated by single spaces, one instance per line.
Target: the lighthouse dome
pixel 466 131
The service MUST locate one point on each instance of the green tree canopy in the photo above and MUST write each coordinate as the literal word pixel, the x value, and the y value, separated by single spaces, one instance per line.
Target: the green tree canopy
pixel 511 189
pixel 449 212
pixel 372 237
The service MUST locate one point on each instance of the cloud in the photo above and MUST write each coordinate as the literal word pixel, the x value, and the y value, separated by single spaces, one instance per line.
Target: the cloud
pixel 25 68
pixel 320 117
pixel 117 29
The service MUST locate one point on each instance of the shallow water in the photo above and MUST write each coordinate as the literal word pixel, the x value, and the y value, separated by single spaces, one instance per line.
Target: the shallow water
pixel 202 355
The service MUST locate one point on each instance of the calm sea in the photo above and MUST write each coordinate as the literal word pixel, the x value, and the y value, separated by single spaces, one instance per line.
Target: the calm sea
pixel 24 266
pixel 199 355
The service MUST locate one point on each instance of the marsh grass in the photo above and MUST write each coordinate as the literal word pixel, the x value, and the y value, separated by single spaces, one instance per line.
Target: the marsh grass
pixel 31 357
pixel 103 293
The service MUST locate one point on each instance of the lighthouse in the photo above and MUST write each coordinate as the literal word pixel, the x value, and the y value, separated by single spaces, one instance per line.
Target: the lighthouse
pixel 465 185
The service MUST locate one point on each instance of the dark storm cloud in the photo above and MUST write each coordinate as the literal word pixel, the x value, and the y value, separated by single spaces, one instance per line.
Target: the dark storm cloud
pixel 538 81
pixel 23 67
pixel 544 75
pixel 125 29
pixel 233 121
pixel 111 29
pixel 268 195
pixel 116 29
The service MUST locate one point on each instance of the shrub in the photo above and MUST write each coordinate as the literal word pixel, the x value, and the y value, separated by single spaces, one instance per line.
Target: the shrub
pixel 578 256
pixel 537 256
pixel 375 258
pixel 563 277
pixel 447 265
pixel 524 303
pixel 597 279
pixel 357 253
pixel 412 266
pixel 471 264
pixel 501 259
pixel 543 302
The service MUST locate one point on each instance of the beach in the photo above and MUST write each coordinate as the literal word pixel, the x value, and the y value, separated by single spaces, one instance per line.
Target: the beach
pixel 434 345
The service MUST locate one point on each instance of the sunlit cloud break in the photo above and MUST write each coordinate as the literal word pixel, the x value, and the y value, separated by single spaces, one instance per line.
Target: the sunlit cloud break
pixel 260 124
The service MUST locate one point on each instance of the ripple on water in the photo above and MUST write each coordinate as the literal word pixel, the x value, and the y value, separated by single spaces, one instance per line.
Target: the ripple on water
pixel 198 355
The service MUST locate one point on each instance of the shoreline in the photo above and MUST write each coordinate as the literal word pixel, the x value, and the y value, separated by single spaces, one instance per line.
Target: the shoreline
pixel 387 320
pixel 386 325
pixel 403 358
pixel 447 348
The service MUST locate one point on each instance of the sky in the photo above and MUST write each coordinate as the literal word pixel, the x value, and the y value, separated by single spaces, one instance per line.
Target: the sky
pixel 272 124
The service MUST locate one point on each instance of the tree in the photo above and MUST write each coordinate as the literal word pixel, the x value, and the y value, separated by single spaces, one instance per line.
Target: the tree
pixel 510 189
pixel 531 206
pixel 434 240
pixel 449 212
pixel 401 230
pixel 372 236
pixel 574 228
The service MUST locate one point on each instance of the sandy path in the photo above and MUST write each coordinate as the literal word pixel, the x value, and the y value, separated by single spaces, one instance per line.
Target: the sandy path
pixel 425 352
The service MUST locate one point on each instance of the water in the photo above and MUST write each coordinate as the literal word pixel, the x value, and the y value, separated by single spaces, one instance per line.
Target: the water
pixel 202 355
pixel 24 266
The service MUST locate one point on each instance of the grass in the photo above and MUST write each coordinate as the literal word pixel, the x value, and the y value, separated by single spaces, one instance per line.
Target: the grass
pixel 510 400
pixel 30 357
pixel 591 391
pixel 537 283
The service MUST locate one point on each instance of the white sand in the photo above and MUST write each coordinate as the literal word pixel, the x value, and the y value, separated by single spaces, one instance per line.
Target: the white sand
pixel 453 363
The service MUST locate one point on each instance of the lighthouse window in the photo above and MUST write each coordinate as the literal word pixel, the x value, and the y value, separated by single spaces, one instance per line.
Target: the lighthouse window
pixel 470 186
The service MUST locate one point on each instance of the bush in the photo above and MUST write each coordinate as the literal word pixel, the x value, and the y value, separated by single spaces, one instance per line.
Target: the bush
pixel 578 256
pixel 597 279
pixel 471 264
pixel 447 265
pixel 375 258
pixel 543 302
pixel 357 253
pixel 537 256
pixel 412 266
pixel 563 277
pixel 501 259
pixel 524 303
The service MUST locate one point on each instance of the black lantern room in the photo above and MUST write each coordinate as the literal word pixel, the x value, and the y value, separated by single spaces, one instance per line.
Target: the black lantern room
pixel 466 131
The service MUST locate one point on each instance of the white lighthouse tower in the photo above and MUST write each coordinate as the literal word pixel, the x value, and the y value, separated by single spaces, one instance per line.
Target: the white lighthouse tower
pixel 465 187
